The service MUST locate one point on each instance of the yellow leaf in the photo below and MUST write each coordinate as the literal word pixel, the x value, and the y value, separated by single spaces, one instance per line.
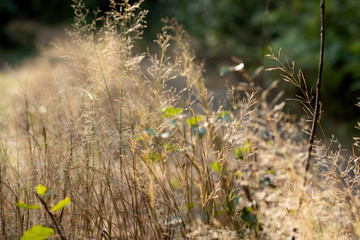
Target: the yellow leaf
pixel 60 205
pixel 21 204
pixel 41 189
pixel 38 232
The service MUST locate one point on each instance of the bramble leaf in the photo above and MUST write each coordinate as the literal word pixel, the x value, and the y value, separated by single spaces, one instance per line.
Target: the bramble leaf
pixel 38 232
pixel 192 121
pixel 48 193
pixel 60 205
pixel 215 166
pixel 239 153
pixel 246 147
pixel 201 131
pixel 41 189
pixel 21 204
pixel 225 116
pixel 248 217
pixel 170 112
pixel 150 131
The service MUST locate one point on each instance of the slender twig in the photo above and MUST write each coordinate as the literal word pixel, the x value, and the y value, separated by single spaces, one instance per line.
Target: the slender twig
pixel 263 38
pixel 58 225
pixel 318 85
pixel 3 219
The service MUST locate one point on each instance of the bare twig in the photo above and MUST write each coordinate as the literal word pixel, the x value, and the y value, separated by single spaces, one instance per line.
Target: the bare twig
pixel 318 85
pixel 263 38
pixel 58 225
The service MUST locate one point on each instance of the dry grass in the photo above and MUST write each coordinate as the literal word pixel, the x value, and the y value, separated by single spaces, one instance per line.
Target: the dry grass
pixel 141 160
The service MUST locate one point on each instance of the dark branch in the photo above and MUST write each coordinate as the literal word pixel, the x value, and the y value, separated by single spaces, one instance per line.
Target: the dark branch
pixel 318 86
pixel 58 226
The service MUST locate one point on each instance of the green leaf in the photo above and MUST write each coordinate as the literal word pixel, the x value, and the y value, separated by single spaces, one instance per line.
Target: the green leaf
pixel 246 147
pixel 48 193
pixel 201 131
pixel 225 116
pixel 238 174
pixel 38 232
pixel 150 131
pixel 155 157
pixel 215 166
pixel 248 217
pixel 174 148
pixel 192 121
pixel 224 70
pixel 237 153
pixel 60 205
pixel 41 189
pixel 21 204
pixel 170 112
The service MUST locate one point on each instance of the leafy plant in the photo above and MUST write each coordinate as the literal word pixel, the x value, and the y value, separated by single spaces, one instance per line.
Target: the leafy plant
pixel 40 232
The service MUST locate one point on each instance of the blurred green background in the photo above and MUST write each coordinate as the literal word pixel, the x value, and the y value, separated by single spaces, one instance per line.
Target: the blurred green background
pixel 223 29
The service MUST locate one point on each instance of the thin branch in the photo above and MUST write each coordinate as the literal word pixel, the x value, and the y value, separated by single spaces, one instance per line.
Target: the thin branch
pixel 263 37
pixel 58 226
pixel 318 85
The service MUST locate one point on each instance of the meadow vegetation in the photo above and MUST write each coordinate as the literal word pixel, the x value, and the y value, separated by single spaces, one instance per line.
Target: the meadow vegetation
pixel 140 159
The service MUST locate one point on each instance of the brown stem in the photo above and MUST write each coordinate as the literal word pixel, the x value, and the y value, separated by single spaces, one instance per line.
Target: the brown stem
pixel 58 226
pixel 318 85
pixel 263 38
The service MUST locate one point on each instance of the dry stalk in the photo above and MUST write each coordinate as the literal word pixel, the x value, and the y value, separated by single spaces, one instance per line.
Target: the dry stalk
pixel 318 90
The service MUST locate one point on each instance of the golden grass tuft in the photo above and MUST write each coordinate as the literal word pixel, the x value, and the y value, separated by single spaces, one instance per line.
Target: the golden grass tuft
pixel 142 160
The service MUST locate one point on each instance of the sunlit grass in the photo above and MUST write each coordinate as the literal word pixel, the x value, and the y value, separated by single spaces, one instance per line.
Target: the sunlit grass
pixel 7 84
pixel 141 160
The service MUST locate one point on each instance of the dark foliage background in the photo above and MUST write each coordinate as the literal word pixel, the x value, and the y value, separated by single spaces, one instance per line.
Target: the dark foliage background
pixel 224 29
